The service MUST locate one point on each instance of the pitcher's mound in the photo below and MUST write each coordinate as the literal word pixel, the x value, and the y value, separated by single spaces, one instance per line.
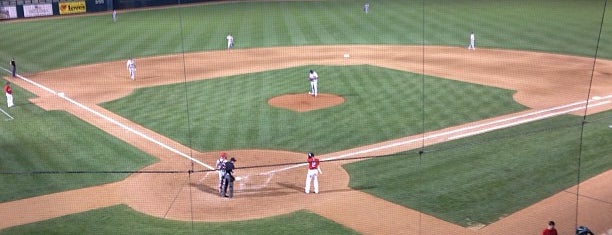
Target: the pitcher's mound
pixel 305 102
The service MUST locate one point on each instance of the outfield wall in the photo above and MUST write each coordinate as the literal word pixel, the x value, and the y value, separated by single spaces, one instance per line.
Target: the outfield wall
pixel 127 4
pixel 47 8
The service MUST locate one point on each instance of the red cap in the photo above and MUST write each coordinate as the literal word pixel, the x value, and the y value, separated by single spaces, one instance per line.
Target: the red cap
pixel 224 155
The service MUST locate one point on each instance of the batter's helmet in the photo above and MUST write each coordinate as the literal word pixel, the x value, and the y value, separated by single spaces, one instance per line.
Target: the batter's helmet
pixel 224 155
pixel 310 154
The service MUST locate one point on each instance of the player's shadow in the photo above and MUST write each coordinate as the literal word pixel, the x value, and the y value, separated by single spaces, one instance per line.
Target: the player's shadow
pixel 300 189
pixel 205 188
pixel 146 77
pixel 291 186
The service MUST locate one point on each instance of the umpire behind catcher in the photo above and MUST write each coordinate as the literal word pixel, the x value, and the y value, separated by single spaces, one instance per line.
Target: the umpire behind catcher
pixel 228 179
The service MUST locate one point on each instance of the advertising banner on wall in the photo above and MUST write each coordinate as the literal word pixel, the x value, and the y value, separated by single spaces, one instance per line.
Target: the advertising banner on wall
pixel 72 8
pixel 37 10
pixel 8 12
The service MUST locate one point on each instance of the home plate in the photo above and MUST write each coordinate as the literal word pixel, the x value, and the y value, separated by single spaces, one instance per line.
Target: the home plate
pixel 347 55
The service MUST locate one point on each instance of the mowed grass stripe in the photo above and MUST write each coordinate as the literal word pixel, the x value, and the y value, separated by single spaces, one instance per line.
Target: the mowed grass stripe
pixel 121 219
pixel 490 171
pixel 89 150
pixel 349 25
pixel 272 24
pixel 232 104
pixel 509 30
pixel 297 35
pixel 518 25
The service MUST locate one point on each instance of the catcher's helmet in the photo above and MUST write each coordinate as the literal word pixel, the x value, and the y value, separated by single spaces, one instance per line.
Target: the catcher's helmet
pixel 310 154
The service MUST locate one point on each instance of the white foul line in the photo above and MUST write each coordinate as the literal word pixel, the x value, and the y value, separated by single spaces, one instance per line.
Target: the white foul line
pixel 114 121
pixel 465 128
pixel 353 153
pixel 524 121
pixel 8 115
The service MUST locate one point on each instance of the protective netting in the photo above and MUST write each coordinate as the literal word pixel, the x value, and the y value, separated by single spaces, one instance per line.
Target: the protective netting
pixel 431 117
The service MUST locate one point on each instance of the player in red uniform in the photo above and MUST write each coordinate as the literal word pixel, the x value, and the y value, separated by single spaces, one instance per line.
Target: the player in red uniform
pixel 313 170
pixel 550 230
pixel 9 94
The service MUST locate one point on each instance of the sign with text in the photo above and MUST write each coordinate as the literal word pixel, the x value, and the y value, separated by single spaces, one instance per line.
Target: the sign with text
pixel 37 10
pixel 72 8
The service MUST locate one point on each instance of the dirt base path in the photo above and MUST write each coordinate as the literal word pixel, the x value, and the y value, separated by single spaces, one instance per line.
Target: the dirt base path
pixel 543 82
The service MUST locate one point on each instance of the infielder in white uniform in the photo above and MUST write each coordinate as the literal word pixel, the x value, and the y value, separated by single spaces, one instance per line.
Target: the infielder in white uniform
pixel 313 77
pixel 230 41
pixel 131 66
pixel 472 39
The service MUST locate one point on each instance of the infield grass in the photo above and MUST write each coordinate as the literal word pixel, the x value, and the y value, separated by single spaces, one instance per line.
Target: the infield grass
pixel 380 104
pixel 123 220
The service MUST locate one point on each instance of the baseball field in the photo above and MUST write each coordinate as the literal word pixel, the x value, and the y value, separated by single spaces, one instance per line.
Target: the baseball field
pixel 416 133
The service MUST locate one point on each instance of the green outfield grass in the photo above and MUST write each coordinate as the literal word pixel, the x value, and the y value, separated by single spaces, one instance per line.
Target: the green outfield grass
pixel 563 26
pixel 380 104
pixel 480 179
pixel 463 172
pixel 123 220
pixel 55 141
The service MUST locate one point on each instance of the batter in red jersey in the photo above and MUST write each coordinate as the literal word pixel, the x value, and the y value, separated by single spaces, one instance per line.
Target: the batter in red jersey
pixel 9 94
pixel 313 170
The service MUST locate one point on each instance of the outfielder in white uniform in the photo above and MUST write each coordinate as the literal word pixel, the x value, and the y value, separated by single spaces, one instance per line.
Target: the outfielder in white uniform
pixel 131 66
pixel 230 41
pixel 313 77
pixel 313 170
pixel 472 40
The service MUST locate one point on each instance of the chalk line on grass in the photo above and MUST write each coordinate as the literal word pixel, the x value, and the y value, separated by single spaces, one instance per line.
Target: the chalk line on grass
pixel 7 114
pixel 563 110
pixel 113 121
pixel 426 137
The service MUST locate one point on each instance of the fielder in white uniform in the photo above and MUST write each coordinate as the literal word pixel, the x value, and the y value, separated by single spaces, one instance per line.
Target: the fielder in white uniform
pixel 313 77
pixel 131 66
pixel 366 8
pixel 230 41
pixel 472 40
